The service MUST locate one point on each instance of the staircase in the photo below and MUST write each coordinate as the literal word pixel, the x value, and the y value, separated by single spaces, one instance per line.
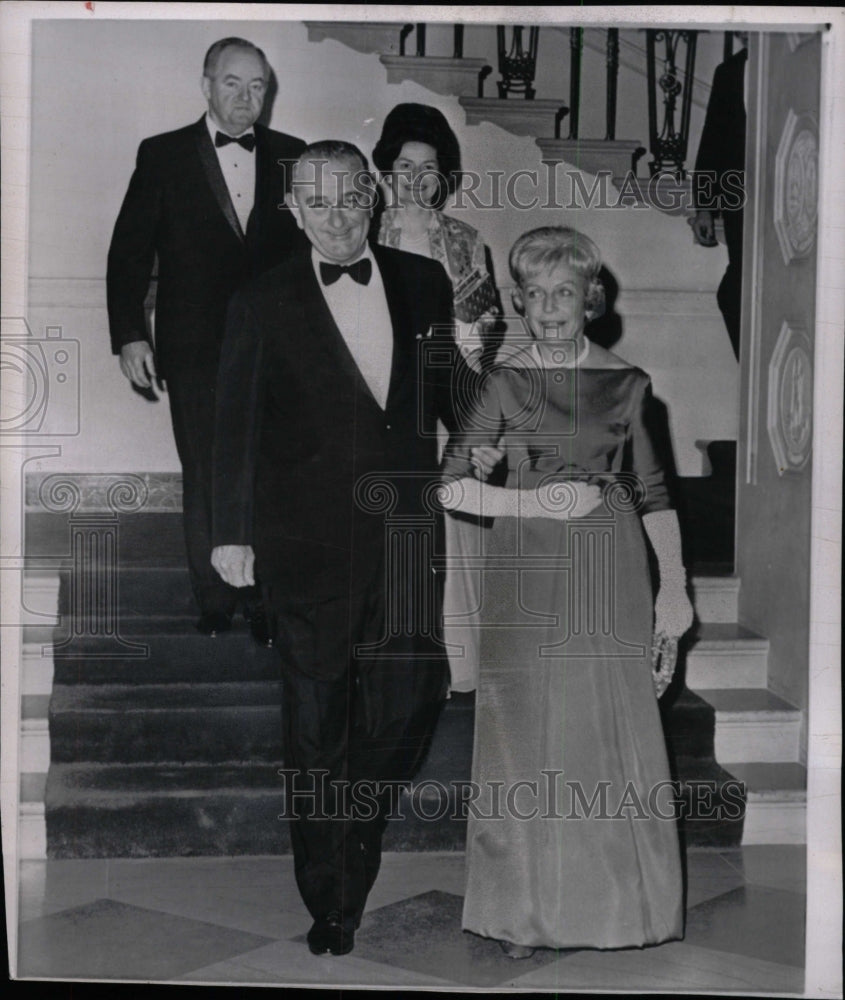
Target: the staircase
pixel 177 752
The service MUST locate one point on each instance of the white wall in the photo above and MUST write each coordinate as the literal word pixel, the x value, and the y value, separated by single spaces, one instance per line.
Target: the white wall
pixel 101 87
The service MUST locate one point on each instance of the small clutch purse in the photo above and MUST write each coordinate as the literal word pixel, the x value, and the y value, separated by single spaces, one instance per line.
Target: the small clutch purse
pixel 664 656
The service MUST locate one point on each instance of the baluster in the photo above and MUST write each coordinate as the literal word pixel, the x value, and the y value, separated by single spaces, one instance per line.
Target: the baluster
pixel 729 45
pixel 403 34
pixel 459 41
pixel 576 43
pixel 517 66
pixel 668 145
pixel 691 38
pixel 612 80
pixel 420 39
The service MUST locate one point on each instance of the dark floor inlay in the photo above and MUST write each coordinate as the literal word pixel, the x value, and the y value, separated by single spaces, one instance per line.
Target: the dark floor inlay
pixel 423 934
pixel 106 939
pixel 752 920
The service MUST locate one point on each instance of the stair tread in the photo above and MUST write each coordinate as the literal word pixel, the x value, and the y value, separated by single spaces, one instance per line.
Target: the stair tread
pixel 101 698
pixel 544 103
pixel 741 702
pixel 717 581
pixel 92 780
pixel 778 780
pixel 713 635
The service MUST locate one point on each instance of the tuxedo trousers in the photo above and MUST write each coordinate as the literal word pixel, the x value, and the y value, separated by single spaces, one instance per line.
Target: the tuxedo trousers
pixel 191 391
pixel 359 707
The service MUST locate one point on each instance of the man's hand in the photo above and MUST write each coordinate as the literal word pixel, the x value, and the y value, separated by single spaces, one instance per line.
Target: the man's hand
pixel 703 228
pixel 137 363
pixel 485 458
pixel 234 563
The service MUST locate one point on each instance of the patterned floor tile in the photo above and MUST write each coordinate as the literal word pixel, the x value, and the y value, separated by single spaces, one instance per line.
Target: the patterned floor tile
pixel 289 963
pixel 111 940
pixel 751 920
pixel 424 933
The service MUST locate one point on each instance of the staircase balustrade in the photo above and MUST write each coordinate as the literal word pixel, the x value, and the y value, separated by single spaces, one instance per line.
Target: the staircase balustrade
pixel 668 143
pixel 517 66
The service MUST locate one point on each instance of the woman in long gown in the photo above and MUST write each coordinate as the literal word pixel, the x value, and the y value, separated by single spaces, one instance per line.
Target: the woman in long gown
pixel 419 162
pixel 572 840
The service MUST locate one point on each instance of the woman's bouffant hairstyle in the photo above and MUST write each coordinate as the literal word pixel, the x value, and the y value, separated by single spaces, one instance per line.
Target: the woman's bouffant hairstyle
pixel 420 123
pixel 545 248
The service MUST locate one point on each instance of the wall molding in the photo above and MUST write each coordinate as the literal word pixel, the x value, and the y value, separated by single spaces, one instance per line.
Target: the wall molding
pixel 103 492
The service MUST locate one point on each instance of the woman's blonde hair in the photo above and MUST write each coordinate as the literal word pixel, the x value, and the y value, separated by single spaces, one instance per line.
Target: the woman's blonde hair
pixel 544 248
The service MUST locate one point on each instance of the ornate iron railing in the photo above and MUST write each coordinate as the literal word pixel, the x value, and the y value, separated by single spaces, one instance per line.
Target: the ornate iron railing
pixel 669 86
pixel 669 143
pixel 517 66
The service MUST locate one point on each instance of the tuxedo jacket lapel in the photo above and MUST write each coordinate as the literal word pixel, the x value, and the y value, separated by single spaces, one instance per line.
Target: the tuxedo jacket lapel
pixel 331 352
pixel 214 175
pixel 401 313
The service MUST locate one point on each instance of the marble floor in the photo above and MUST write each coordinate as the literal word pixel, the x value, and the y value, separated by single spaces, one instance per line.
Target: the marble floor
pixel 240 920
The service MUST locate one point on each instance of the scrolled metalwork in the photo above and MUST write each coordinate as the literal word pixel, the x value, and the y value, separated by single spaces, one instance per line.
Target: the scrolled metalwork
pixel 517 66
pixel 668 140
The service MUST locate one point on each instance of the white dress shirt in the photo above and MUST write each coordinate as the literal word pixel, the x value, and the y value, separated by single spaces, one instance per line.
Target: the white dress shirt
pixel 363 318
pixel 238 166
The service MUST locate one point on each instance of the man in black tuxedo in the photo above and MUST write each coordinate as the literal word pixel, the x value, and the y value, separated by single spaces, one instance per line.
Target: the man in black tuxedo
pixel 325 456
pixel 208 202
pixel 719 180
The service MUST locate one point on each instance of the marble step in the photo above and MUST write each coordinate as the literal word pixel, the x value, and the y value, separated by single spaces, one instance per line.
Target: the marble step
pixel 517 115
pixel 612 157
pixel 776 803
pixel 362 36
pixel 440 74
pixel 753 725
pixel 725 655
pixel 715 597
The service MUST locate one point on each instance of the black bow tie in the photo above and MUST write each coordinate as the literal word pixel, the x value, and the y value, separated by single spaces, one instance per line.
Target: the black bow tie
pixel 247 141
pixel 360 271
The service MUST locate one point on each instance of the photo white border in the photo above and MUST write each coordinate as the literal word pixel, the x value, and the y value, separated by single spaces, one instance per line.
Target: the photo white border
pixel 824 873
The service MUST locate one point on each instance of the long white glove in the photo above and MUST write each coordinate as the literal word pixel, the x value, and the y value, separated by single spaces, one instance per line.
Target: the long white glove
pixel 558 500
pixel 673 612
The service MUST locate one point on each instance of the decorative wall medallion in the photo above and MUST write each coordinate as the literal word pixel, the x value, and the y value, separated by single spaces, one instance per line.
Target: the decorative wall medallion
pixel 790 403
pixel 796 186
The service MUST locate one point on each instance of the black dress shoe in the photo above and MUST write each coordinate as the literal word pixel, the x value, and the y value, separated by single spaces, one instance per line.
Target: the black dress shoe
pixel 213 622
pixel 331 935
pixel 259 625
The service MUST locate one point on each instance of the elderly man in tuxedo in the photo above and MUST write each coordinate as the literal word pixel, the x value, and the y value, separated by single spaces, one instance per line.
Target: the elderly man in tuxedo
pixel 208 203
pixel 334 370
